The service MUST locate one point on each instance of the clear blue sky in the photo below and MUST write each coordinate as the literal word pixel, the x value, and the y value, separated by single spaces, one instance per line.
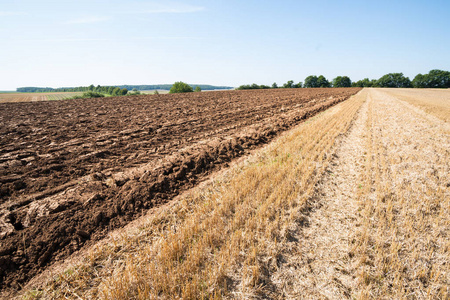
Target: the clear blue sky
pixel 111 42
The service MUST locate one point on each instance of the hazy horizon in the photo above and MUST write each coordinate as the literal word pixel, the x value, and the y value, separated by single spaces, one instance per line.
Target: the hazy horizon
pixel 110 42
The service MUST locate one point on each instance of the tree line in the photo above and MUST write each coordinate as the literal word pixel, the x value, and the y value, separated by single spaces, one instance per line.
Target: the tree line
pixel 434 79
pixel 108 90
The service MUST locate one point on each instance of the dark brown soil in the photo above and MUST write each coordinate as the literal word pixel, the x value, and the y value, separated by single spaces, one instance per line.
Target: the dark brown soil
pixel 70 171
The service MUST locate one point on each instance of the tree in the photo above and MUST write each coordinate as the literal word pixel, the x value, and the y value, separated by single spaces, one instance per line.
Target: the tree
pixel 289 84
pixel 116 92
pixel 394 80
pixel 439 79
pixel 92 95
pixel 274 85
pixel 434 79
pixel 420 81
pixel 91 87
pixel 197 89
pixel 362 83
pixel 342 81
pixel 298 85
pixel 323 82
pixel 180 87
pixel 311 82
pixel 253 86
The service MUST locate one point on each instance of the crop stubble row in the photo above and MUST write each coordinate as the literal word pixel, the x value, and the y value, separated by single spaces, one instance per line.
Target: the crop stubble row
pixel 70 171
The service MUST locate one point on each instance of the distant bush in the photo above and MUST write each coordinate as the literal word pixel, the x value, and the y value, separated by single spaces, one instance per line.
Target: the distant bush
pixel 119 92
pixel 92 95
pixel 134 92
pixel 291 85
pixel 89 95
pixel 197 89
pixel 180 87
pixel 365 83
pixel 253 86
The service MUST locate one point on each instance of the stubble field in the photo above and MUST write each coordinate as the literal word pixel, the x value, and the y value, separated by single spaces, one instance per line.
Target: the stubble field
pixel 71 171
pixel 33 97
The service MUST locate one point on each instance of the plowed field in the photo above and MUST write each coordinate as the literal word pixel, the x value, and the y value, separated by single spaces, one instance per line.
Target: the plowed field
pixel 70 171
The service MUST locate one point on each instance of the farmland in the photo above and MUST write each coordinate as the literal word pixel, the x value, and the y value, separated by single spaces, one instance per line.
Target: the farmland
pixel 71 171
pixel 32 97
pixel 353 203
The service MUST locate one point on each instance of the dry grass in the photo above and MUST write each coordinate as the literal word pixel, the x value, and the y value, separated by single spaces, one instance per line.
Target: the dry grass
pixel 221 240
pixel 432 101
pixel 402 247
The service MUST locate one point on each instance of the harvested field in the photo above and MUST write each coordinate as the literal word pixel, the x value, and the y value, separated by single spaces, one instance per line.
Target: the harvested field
pixel 433 101
pixel 70 171
pixel 354 203
pixel 33 97
pixel 379 219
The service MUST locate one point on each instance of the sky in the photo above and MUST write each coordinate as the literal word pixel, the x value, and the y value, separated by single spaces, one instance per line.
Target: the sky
pixel 109 42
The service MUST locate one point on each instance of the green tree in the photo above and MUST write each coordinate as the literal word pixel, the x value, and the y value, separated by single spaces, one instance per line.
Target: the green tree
pixel 123 91
pixel 439 79
pixel 289 84
pixel 361 83
pixel 253 86
pixel 420 81
pixel 244 87
pixel 91 87
pixel 274 85
pixel 311 82
pixel 342 81
pixel 197 89
pixel 298 85
pixel 116 92
pixel 394 80
pixel 92 95
pixel 323 82
pixel 180 87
